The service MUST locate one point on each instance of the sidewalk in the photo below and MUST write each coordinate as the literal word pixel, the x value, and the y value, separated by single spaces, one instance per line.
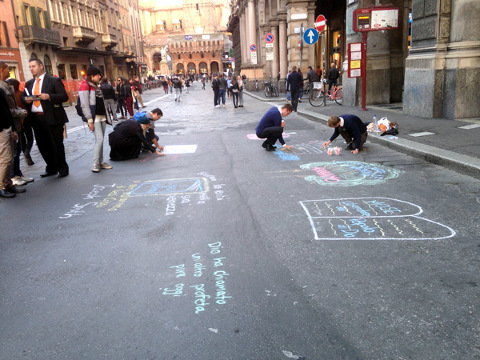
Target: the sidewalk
pixel 450 143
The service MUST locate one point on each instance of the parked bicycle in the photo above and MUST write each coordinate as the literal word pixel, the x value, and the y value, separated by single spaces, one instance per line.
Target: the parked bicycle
pixel 270 90
pixel 318 95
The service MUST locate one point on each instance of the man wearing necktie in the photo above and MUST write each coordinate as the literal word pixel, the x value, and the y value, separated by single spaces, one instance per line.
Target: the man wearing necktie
pixel 44 95
pixel 351 128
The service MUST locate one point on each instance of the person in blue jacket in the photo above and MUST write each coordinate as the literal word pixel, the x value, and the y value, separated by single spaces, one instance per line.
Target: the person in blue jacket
pixel 271 126
pixel 351 128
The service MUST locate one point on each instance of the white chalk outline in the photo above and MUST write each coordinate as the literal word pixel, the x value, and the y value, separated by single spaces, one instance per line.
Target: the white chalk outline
pixel 310 219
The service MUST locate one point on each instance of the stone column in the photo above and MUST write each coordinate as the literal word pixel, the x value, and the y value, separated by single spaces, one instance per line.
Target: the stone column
pixel 282 56
pixel 276 60
pixel 244 39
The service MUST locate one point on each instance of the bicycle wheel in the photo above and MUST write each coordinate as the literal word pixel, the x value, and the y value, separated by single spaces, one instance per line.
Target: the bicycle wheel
pixel 338 96
pixel 274 91
pixel 267 91
pixel 316 97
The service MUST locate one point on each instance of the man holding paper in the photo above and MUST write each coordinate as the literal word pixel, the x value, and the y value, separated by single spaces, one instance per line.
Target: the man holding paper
pixel 44 95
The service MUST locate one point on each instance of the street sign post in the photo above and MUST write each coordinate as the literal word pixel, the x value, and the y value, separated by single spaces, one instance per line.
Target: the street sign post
pixel 253 47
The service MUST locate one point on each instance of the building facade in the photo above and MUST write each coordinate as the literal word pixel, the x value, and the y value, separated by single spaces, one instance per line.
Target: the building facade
pixel 9 49
pixel 427 63
pixel 70 35
pixel 185 36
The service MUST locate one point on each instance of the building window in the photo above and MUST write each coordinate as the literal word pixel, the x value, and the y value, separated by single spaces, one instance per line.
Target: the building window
pixel 61 71
pixel 73 71
pixel 179 57
pixel 48 65
pixel 4 40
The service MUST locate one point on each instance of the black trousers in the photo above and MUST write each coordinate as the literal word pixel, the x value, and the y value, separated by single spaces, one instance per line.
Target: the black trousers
pixel 215 97
pixel 50 144
pixel 295 95
pixel 272 134
pixel 349 137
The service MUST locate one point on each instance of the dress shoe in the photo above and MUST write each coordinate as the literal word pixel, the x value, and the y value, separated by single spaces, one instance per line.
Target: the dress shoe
pixel 45 174
pixel 270 148
pixel 28 159
pixel 349 147
pixel 4 193
pixel 62 175
pixel 15 190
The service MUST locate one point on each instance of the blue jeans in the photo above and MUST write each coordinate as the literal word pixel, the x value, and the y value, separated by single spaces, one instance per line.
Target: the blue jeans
pixel 221 96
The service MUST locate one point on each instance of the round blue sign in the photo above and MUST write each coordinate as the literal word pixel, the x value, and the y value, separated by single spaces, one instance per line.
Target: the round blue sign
pixel 269 38
pixel 310 36
pixel 253 47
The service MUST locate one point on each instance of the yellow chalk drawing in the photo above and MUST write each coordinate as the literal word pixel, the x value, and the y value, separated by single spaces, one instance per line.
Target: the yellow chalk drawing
pixel 371 207
pixel 395 226
pixel 318 211
pixel 414 226
pixel 379 227
pixel 330 208
pixel 332 226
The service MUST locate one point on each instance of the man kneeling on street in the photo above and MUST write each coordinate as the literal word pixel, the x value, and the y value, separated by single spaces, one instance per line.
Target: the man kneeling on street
pixel 352 129
pixel 271 126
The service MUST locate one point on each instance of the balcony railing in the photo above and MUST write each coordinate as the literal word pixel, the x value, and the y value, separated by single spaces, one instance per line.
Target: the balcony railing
pixel 83 34
pixel 38 35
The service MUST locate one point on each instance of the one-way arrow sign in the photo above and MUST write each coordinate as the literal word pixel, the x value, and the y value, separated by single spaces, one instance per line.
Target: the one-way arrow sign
pixel 310 36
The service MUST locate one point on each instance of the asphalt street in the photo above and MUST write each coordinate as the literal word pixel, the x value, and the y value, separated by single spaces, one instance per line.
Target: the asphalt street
pixel 222 250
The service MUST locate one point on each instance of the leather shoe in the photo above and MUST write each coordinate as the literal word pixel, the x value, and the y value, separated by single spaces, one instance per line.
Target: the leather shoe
pixel 4 193
pixel 15 190
pixel 62 175
pixel 45 174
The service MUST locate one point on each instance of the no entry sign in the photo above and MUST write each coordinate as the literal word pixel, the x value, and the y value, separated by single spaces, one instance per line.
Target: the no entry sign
pixel 320 23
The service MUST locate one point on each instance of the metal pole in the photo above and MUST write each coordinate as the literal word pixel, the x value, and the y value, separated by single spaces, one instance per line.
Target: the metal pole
pixel 364 71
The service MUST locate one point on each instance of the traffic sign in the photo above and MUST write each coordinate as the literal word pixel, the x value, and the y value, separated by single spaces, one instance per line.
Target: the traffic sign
pixel 253 47
pixel 310 36
pixel 269 38
pixel 320 23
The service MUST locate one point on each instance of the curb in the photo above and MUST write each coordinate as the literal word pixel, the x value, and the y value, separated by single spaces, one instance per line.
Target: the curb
pixel 463 164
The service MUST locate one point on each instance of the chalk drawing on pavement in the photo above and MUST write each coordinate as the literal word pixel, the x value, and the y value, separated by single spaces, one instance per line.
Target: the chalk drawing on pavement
pixel 371 218
pixel 179 149
pixel 311 147
pixel 349 173
pixel 202 282
pixel 177 192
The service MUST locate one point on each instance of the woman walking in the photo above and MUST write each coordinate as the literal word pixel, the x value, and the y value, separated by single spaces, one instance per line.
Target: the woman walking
pixel 235 91
pixel 240 91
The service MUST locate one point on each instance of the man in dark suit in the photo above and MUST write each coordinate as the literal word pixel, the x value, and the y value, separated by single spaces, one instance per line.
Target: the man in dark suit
pixel 44 95
pixel 295 80
pixel 352 129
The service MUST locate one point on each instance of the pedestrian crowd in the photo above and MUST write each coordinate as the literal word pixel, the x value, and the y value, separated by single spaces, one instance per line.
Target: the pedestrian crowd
pixel 38 113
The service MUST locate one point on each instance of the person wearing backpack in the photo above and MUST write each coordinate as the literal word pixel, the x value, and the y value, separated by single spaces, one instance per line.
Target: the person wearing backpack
pixel 177 85
pixel 93 109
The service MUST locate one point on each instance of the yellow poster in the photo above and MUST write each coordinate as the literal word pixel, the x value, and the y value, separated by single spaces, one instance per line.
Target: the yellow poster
pixel 355 64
